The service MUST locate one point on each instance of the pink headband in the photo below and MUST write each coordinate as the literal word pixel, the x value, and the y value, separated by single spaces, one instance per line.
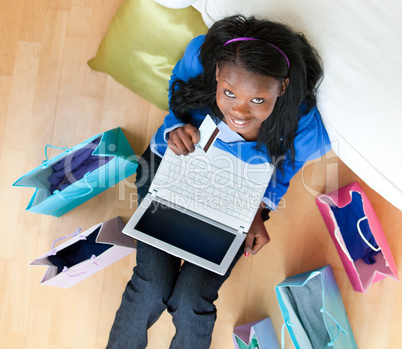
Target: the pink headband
pixel 253 39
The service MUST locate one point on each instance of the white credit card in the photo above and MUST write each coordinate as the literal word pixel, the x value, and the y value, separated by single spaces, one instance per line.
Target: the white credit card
pixel 208 133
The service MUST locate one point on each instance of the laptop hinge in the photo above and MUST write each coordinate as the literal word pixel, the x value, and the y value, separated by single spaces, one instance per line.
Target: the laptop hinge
pixel 154 193
pixel 240 230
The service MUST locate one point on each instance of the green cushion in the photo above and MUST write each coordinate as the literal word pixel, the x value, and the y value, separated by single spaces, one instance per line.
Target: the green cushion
pixel 143 43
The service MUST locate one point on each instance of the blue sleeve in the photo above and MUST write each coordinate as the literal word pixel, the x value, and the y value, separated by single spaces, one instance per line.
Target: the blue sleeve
pixel 188 67
pixel 311 142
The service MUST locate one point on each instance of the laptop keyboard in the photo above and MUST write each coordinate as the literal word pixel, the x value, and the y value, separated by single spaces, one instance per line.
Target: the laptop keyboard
pixel 196 179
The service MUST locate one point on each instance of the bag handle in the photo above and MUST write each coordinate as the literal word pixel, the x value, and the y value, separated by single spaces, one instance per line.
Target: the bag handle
pixel 322 310
pixel 339 327
pixel 91 189
pixel 77 231
pixel 342 245
pixel 65 269
pixel 283 333
pixel 363 237
pixel 44 162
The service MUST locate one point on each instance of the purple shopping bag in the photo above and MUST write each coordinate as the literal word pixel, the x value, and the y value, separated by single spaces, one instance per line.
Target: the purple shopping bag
pixel 85 253
pixel 255 335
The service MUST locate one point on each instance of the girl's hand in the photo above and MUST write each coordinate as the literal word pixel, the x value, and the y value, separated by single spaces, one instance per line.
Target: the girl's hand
pixel 257 236
pixel 181 140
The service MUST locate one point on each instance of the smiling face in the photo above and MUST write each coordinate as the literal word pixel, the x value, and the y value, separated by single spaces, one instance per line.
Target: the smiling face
pixel 245 99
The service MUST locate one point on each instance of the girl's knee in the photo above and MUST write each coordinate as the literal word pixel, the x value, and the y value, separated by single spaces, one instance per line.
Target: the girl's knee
pixel 150 287
pixel 194 323
pixel 191 303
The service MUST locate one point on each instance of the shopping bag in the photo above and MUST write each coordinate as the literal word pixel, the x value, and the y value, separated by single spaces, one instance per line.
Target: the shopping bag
pixel 85 253
pixel 255 335
pixel 79 173
pixel 313 311
pixel 358 236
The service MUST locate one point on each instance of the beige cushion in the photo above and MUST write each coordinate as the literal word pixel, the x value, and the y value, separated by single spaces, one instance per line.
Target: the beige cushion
pixel 143 43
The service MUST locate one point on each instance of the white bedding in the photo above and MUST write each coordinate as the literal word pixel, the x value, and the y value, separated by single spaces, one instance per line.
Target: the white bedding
pixel 360 98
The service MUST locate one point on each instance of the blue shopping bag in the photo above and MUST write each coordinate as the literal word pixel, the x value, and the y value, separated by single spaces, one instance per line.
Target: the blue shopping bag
pixel 79 173
pixel 313 311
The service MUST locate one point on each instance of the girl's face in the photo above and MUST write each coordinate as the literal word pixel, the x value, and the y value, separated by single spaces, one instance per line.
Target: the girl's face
pixel 245 99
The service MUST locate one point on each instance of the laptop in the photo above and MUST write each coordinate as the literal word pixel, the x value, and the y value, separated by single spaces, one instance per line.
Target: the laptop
pixel 200 206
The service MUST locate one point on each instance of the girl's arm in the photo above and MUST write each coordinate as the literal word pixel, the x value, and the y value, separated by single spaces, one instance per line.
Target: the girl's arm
pixel 257 236
pixel 181 140
pixel 188 67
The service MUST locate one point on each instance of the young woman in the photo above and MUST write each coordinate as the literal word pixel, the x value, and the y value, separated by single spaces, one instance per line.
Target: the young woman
pixel 258 79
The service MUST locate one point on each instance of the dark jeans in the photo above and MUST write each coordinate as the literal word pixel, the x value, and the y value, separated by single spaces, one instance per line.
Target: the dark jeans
pixel 160 281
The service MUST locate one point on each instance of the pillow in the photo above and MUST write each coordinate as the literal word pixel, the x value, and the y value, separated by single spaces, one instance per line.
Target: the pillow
pixel 175 3
pixel 143 43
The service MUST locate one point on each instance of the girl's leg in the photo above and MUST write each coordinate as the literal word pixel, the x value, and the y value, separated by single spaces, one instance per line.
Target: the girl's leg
pixel 192 305
pixel 144 298
pixel 146 294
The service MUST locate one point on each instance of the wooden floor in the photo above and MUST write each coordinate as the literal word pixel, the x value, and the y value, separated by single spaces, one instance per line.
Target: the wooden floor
pixel 49 95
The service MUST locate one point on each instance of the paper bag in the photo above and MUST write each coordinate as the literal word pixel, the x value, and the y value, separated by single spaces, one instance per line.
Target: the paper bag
pixel 358 236
pixel 85 254
pixel 79 173
pixel 255 335
pixel 313 311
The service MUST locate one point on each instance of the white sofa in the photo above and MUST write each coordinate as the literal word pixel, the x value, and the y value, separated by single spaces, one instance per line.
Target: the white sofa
pixel 360 98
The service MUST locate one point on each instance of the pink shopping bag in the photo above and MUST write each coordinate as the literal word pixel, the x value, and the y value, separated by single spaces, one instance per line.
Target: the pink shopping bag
pixel 85 254
pixel 358 236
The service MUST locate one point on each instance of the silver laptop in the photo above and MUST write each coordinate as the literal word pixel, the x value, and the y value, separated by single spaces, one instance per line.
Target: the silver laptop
pixel 200 206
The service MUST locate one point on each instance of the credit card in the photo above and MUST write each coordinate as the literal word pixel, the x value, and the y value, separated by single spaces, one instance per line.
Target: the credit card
pixel 208 133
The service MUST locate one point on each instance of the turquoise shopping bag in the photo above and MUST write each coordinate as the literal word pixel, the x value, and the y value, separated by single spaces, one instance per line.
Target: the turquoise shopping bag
pixel 313 311
pixel 79 173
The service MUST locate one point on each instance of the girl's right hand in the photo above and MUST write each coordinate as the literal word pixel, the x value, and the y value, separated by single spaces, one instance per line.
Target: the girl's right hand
pixel 182 139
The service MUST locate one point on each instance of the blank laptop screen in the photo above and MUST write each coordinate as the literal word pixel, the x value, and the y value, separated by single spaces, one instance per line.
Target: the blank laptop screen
pixel 185 232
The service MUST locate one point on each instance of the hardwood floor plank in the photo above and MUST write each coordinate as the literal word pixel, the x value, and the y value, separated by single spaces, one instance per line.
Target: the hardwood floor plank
pixel 10 198
pixel 60 4
pixel 34 19
pixel 17 294
pixel 5 87
pixel 38 330
pixel 49 71
pixel 22 95
pixel 17 340
pixel 10 24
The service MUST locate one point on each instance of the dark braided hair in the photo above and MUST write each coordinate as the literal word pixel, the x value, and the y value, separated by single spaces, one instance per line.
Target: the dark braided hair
pixel 277 132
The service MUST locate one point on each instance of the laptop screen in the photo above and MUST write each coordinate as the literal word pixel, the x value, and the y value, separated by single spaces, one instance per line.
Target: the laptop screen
pixel 174 227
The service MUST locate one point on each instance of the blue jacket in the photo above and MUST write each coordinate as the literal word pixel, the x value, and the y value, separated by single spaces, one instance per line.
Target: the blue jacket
pixel 311 141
